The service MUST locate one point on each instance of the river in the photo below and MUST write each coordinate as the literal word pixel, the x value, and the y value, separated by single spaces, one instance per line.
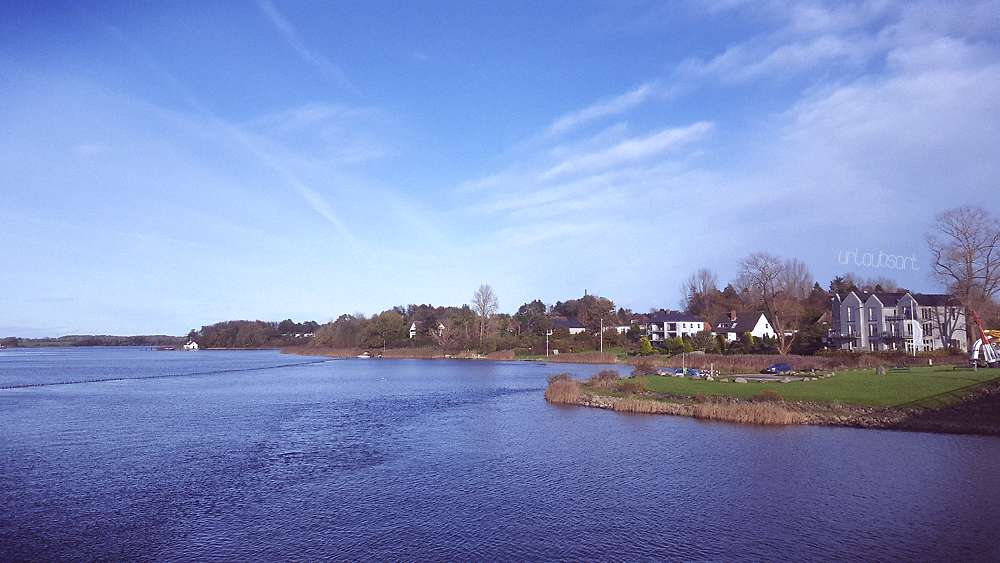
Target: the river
pixel 122 454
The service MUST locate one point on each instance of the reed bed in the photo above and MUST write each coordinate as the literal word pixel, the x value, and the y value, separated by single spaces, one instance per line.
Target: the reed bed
pixel 738 412
pixel 646 406
pixel 425 353
pixel 584 358
pixel 748 413
pixel 565 391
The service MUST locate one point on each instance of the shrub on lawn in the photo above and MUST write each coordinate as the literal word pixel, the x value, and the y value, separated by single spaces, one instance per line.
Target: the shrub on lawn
pixel 559 377
pixel 605 379
pixel 632 386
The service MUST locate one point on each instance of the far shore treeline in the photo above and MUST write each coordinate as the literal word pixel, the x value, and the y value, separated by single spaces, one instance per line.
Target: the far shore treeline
pixel 964 242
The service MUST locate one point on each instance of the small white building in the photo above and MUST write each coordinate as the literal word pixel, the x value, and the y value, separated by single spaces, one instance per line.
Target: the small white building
pixel 191 345
pixel 733 325
pixel 417 326
pixel 574 326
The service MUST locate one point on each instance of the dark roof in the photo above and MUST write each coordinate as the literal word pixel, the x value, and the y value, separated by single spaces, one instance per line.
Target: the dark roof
pixel 568 323
pixel 892 299
pixel 745 321
pixel 936 300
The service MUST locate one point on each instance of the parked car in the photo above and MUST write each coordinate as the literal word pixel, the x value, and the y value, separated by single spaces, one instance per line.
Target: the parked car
pixel 777 367
pixel 686 371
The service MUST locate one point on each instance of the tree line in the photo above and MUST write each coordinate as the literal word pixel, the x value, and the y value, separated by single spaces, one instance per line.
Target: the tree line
pixel 965 244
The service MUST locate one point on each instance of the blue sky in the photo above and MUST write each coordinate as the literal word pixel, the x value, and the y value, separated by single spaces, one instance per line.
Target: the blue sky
pixel 165 166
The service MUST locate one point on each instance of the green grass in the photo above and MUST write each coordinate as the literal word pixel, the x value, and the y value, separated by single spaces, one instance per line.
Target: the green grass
pixel 851 387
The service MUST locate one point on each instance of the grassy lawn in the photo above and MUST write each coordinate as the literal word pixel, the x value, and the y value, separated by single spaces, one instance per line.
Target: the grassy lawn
pixel 851 387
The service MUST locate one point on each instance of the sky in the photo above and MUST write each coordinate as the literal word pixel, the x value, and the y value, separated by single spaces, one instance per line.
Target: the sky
pixel 169 165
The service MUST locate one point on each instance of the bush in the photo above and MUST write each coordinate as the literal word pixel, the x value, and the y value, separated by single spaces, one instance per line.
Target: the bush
pixel 605 379
pixel 632 386
pixel 559 377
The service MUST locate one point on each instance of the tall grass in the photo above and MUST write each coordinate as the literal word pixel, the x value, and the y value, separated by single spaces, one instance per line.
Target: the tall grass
pixel 739 412
pixel 566 391
pixel 748 413
pixel 584 358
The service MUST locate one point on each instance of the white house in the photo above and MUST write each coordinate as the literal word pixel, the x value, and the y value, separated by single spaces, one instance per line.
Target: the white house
pixel 574 326
pixel 191 345
pixel 733 325
pixel 663 326
pixel 897 321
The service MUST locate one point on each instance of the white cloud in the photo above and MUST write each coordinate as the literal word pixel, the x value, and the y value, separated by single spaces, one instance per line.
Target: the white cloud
pixel 628 151
pixel 603 108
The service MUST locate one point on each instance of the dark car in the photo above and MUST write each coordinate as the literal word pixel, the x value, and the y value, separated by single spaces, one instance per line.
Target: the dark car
pixel 778 367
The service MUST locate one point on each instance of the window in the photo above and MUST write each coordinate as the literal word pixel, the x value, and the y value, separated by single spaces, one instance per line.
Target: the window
pixel 872 313
pixel 852 330
pixel 850 314
pixel 928 328
pixel 925 313
pixel 872 330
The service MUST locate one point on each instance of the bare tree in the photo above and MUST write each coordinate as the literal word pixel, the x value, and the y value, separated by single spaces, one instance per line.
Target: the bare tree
pixel 700 292
pixel 777 286
pixel 965 245
pixel 485 304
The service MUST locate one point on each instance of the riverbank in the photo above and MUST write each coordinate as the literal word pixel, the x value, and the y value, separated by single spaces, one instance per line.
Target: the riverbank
pixel 978 413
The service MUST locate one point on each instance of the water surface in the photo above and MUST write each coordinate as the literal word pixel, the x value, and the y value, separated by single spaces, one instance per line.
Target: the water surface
pixel 116 454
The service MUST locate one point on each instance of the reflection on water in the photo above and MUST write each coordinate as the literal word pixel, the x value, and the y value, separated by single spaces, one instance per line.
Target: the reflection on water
pixel 236 456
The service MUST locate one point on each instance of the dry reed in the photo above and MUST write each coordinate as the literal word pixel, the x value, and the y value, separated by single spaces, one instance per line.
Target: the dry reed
pixel 748 413
pixel 584 358
pixel 646 406
pixel 565 391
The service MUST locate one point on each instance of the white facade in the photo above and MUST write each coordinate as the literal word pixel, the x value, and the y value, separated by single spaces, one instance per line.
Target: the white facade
pixel 912 322
pixel 734 325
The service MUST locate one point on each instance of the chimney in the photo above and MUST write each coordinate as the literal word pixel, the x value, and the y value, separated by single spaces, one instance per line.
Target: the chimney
pixel 732 315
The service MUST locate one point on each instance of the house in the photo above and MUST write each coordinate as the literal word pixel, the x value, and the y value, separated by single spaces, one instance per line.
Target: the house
pixel 574 326
pixel 417 327
pixel 191 345
pixel 734 324
pixel 897 321
pixel 663 326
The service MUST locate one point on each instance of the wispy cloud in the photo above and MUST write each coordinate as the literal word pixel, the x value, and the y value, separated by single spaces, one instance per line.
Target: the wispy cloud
pixel 603 108
pixel 627 151
pixel 318 60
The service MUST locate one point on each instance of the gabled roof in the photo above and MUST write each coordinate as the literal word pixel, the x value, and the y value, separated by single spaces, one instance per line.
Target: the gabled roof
pixel 891 299
pixel 745 321
pixel 568 323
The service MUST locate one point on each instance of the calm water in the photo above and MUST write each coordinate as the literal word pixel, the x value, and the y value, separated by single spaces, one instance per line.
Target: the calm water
pixel 134 455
